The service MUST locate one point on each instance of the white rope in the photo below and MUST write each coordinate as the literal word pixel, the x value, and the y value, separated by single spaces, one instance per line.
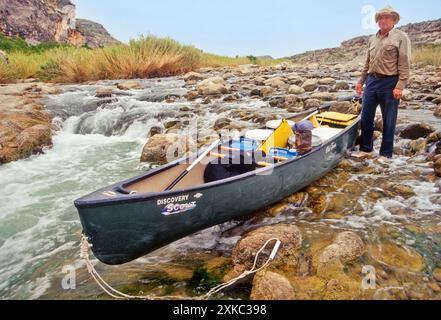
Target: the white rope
pixel 103 284
pixel 251 271
pixel 112 292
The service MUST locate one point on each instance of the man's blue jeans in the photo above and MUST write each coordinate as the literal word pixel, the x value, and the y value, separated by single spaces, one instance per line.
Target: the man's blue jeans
pixel 379 91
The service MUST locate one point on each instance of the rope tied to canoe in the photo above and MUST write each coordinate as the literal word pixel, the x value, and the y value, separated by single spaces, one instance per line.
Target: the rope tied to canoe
pixel 252 270
pixel 112 292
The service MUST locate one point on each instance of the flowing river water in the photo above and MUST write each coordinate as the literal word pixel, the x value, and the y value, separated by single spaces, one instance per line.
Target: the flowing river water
pixel 97 145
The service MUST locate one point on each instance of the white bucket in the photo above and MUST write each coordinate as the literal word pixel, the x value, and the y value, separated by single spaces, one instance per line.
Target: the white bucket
pixel 274 124
pixel 258 134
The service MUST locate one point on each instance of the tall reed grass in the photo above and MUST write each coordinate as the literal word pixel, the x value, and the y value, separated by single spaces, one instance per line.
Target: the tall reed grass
pixel 428 55
pixel 146 57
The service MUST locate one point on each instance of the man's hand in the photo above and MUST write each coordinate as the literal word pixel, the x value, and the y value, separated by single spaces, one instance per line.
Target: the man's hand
pixel 398 93
pixel 359 89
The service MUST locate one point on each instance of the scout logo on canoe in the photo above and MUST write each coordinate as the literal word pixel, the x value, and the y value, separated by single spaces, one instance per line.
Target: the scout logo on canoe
pixel 170 200
pixel 173 208
pixel 331 147
pixel 183 198
pixel 178 204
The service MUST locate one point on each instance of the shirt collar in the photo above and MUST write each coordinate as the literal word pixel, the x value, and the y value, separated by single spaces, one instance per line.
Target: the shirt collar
pixel 387 34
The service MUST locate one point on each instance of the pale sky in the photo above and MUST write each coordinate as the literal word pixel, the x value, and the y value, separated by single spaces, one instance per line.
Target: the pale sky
pixel 278 28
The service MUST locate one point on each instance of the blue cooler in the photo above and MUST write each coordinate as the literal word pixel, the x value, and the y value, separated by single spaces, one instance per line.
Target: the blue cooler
pixel 283 152
pixel 245 144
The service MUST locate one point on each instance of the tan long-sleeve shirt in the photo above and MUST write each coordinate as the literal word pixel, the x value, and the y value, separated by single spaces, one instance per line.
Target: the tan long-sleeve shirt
pixel 389 55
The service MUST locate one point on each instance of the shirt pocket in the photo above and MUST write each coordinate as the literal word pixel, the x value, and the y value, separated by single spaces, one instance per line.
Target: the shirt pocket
pixel 371 52
pixel 390 53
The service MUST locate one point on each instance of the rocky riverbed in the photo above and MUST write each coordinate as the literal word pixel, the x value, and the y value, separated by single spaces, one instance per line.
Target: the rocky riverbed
pixel 368 230
pixel 25 126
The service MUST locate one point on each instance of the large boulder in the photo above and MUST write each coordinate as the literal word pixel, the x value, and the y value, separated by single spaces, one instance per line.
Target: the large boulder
pixel 285 102
pixel 295 89
pixel 25 127
pixel 245 69
pixel 212 86
pixel 30 141
pixel 265 91
pixel 291 100
pixel 227 124
pixel 295 79
pixel 283 66
pixel 312 104
pixel 246 249
pixel 269 285
pixel 342 85
pixel 163 148
pixel 348 246
pixel 193 76
pixel 128 85
pixel 310 85
pixel 327 81
pixel 104 92
pixel 259 81
pixel 277 83
pixel 345 107
pixel 416 131
pixel 324 96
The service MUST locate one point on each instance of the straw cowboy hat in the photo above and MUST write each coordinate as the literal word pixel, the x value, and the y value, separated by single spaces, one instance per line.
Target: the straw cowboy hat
pixel 388 11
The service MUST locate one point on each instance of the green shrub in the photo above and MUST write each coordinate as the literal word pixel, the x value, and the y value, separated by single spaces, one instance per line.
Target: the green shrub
pixel 49 71
pixel 252 59
pixel 16 44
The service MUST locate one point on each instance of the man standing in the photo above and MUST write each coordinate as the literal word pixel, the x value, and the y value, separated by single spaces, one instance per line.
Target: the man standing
pixel 385 74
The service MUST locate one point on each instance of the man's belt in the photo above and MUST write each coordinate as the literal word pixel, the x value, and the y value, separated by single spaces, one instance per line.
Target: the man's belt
pixel 379 75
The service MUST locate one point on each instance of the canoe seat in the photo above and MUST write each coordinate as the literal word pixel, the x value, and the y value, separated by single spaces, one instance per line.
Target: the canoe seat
pixel 325 133
pixel 341 120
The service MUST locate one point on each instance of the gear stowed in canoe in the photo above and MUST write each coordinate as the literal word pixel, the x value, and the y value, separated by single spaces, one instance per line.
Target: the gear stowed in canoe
pixel 230 180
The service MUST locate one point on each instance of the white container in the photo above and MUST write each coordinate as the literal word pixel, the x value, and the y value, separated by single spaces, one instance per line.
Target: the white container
pixel 258 134
pixel 274 124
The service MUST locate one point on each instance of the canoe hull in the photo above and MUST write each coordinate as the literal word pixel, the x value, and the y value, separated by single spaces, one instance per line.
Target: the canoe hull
pixel 129 227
